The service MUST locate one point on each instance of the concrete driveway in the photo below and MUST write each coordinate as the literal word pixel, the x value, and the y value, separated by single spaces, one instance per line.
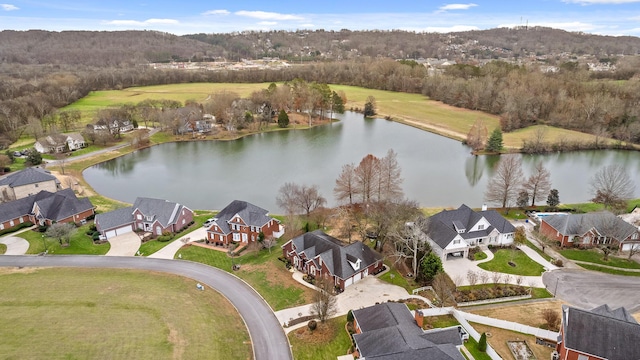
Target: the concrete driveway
pixel 589 289
pixel 169 251
pixel 15 245
pixel 124 245
pixel 267 338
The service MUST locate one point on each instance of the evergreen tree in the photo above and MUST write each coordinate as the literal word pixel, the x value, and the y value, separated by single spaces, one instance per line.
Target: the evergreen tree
pixel 370 107
pixel 523 199
pixel 431 266
pixel 283 119
pixel 338 104
pixel 495 141
pixel 33 157
pixel 553 199
pixel 482 344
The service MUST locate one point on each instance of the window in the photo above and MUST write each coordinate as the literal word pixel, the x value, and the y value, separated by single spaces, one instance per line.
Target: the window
pixel 11 223
pixel 236 237
pixel 583 357
pixel 183 221
pixel 139 217
pixel 634 236
pixel 456 242
pixel 1 226
pixel 481 227
pixel 21 220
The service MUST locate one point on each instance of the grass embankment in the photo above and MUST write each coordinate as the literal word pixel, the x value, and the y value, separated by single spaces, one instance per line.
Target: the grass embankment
pixel 328 341
pixel 597 257
pixel 118 314
pixel 3 249
pixel 393 276
pixel 608 270
pixel 261 269
pixel 523 264
pixel 80 243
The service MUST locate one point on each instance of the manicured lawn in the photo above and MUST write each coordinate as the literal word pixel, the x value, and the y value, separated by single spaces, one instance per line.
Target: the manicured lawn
pixel 261 269
pixel 3 248
pixel 596 257
pixel 472 346
pixel 535 248
pixel 609 271
pixel 540 293
pixel 443 321
pixel 327 343
pixel 80 243
pixel 479 256
pixel 394 277
pixel 524 265
pixel 115 314
pixel 152 246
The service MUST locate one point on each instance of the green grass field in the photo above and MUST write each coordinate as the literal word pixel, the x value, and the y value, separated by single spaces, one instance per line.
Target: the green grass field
pixel 609 271
pixel 80 243
pixel 596 257
pixel 312 346
pixel 115 314
pixel 524 265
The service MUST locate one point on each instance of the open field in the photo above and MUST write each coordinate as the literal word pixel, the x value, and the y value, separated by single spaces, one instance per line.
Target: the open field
pixel 529 313
pixel 115 314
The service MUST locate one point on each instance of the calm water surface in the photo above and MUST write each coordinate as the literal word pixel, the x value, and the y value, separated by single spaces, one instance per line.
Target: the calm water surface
pixel 437 171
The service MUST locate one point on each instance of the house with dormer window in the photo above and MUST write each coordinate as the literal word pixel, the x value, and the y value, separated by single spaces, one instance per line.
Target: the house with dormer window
pixel 454 232
pixel 320 255
pixel 242 222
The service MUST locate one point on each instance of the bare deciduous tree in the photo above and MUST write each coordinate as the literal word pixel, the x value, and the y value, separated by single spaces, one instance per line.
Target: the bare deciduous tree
pixel 443 287
pixel 612 186
pixel 472 277
pixel 552 319
pixel 367 177
pixel 477 136
pixel 324 305
pixel 503 186
pixel 484 277
pixel 61 231
pixel 495 277
pixel 410 242
pixel 390 177
pixel 538 184
pixel 345 188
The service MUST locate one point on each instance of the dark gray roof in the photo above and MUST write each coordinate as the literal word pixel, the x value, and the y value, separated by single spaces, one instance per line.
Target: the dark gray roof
pixel 389 332
pixel 334 253
pixel 53 206
pixel 606 223
pixel 166 212
pixel 601 333
pixel 114 219
pixel 442 226
pixel 251 215
pixel 619 313
pixel 27 176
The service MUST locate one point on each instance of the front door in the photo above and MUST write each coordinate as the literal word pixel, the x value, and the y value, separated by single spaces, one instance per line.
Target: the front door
pixel 244 237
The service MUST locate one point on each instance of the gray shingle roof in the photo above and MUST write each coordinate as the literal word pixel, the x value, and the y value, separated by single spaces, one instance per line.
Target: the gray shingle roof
pixel 442 226
pixel 390 333
pixel 601 332
pixel 114 219
pixel 251 215
pixel 163 210
pixel 606 223
pixel 335 253
pixel 53 206
pixel 16 208
pixel 27 176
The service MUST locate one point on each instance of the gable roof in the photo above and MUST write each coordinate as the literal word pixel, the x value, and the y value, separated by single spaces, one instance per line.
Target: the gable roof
pixel 114 219
pixel 603 332
pixel 61 205
pixel 443 226
pixel 251 215
pixel 28 176
pixel 389 332
pixel 335 254
pixel 604 222
pixel 13 209
pixel 166 212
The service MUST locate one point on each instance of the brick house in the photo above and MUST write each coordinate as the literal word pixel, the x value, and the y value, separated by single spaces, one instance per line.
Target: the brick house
pixel 318 254
pixel 27 182
pixel 241 221
pixel 46 208
pixel 598 334
pixel 150 215
pixel 588 230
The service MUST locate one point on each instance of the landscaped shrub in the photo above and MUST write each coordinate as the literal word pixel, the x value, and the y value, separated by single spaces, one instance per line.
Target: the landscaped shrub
pixel 95 236
pixel 16 228
pixel 482 344
pixel 42 228
pixel 558 263
pixel 312 325
pixel 350 316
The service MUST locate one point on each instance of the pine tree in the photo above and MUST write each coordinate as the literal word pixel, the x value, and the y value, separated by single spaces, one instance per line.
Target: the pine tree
pixel 553 199
pixel 495 141
pixel 283 119
pixel 482 344
pixel 370 107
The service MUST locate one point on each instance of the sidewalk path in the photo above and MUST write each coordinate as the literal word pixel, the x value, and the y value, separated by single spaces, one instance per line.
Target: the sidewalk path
pixel 533 255
pixel 15 245
pixel 169 251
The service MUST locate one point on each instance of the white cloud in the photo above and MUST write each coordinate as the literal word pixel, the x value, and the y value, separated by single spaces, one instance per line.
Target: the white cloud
pixel 457 7
pixel 268 23
pixel 142 23
pixel 594 2
pixel 265 15
pixel 9 7
pixel 216 12
pixel 307 26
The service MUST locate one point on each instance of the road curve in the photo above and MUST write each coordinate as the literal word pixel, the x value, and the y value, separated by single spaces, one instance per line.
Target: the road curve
pixel 268 339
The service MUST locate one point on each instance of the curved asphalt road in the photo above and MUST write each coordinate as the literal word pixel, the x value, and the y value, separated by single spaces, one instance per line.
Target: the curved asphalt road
pixel 268 338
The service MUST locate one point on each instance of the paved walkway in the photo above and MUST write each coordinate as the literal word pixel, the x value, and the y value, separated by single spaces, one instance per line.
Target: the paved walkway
pixel 15 245
pixel 169 251
pixel 124 245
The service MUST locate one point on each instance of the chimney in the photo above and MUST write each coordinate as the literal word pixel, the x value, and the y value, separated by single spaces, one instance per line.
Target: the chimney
pixel 419 318
pixel 484 207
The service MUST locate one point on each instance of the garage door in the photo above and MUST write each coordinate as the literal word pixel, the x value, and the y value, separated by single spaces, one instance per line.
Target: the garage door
pixel 348 282
pixel 357 277
pixel 119 231
pixel 627 247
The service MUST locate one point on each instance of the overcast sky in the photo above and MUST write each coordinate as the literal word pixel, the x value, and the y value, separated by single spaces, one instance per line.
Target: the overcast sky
pixel 609 17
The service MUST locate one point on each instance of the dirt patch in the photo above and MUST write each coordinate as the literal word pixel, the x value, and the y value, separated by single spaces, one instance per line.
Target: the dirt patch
pixel 498 338
pixel 527 314
pixel 277 274
pixel 17 270
pixel 179 343
pixel 323 334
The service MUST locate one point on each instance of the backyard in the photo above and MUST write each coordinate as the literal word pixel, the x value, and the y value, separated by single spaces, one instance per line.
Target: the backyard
pixel 514 262
pixel 116 314
pixel 328 341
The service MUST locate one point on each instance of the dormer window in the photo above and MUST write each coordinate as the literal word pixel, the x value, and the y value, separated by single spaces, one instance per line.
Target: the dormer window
pixel 481 227
pixel 354 262
pixel 460 228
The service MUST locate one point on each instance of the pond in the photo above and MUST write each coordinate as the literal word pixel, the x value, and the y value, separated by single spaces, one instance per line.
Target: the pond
pixel 437 171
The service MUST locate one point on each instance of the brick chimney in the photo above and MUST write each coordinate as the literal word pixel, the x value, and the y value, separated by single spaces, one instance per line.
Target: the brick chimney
pixel 419 318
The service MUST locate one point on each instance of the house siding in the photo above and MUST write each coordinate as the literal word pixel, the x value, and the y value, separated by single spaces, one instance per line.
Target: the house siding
pixel 23 191
pixel 220 239
pixel 16 221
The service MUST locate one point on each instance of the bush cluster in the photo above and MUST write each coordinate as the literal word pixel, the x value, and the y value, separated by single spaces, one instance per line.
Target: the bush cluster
pixel 486 293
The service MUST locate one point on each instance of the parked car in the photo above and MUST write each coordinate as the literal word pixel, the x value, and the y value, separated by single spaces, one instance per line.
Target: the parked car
pixel 208 222
pixel 17 153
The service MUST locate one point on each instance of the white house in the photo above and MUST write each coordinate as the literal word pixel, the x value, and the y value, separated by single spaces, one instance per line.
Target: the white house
pixel 453 232
pixel 57 143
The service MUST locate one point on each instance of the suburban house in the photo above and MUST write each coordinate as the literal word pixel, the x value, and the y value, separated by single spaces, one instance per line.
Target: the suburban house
pixel 27 182
pixel 453 232
pixel 598 334
pixel 115 127
pixel 58 143
pixel 318 254
pixel 388 331
pixel 241 221
pixel 149 215
pixel 591 229
pixel 196 126
pixel 46 208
